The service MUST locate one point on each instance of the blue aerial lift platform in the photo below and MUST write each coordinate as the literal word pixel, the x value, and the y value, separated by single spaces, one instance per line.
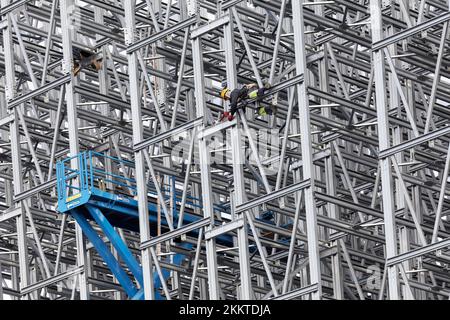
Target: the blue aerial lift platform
pixel 91 193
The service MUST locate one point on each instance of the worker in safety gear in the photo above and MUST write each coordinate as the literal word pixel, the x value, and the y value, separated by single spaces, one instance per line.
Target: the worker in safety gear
pixel 85 59
pixel 240 97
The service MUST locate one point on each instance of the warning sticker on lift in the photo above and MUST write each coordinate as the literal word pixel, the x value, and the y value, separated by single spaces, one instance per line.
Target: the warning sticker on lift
pixel 73 197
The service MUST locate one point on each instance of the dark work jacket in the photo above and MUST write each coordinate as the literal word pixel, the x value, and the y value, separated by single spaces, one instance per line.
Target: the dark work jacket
pixel 80 54
pixel 239 95
pixel 236 96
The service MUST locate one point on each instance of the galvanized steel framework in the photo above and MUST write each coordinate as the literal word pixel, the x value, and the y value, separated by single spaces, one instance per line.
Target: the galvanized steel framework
pixel 359 197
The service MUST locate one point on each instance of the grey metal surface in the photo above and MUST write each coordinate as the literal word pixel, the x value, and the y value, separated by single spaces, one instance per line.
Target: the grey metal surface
pixel 348 199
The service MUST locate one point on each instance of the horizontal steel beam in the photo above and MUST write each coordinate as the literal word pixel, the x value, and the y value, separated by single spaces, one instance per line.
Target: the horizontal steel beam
pixel 272 196
pixel 28 193
pixel 283 85
pixel 10 214
pixel 161 35
pixel 411 31
pixel 230 3
pixel 49 281
pixel 12 6
pixel 298 292
pixel 167 134
pixel 216 128
pixel 175 233
pixel 41 90
pixel 319 155
pixel 198 32
pixel 224 228
pixel 347 204
pixel 418 252
pixel 413 142
pixel 6 120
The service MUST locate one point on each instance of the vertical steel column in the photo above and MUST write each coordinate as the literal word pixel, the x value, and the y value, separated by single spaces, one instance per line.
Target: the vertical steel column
pixel 306 147
pixel 204 155
pixel 330 175
pixel 394 99
pixel 136 114
pixel 383 138
pixel 238 160
pixel 66 11
pixel 8 51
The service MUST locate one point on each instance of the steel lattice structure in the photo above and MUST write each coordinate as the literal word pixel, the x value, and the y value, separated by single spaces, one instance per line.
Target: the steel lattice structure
pixel 350 202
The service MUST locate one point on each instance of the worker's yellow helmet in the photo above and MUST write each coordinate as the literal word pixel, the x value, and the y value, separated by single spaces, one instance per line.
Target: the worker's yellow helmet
pixel 224 92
